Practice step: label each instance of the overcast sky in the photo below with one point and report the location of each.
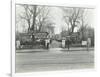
(57, 17)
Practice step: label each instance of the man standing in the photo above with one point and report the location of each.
(48, 42)
(68, 42)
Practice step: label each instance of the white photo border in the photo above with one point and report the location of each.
(14, 2)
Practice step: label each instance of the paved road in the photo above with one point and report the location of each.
(53, 60)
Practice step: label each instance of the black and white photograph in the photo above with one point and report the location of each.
(50, 38)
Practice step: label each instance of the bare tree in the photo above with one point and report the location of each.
(35, 16)
(72, 17)
(42, 17)
(27, 15)
(83, 27)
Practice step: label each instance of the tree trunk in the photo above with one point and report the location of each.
(28, 25)
(34, 17)
(72, 28)
(40, 27)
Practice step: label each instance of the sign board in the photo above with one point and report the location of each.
(41, 35)
(84, 42)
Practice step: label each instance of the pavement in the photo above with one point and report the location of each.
(53, 59)
(55, 49)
